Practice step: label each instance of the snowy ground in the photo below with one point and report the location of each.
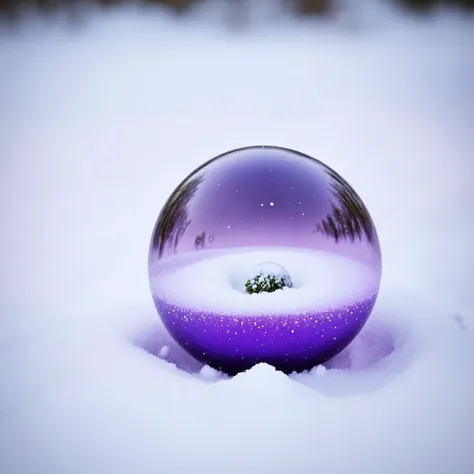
(97, 127)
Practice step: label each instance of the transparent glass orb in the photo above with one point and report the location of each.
(264, 204)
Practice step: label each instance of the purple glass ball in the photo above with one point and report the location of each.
(252, 206)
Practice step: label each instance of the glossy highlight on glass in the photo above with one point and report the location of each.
(253, 200)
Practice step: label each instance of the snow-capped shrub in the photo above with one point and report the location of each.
(268, 279)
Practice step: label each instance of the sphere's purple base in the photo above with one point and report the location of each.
(234, 343)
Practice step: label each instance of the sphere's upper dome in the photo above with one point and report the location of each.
(265, 196)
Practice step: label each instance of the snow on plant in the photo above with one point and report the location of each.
(268, 279)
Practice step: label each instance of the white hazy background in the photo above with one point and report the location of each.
(100, 120)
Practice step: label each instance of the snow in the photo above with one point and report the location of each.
(164, 351)
(99, 123)
(269, 269)
(215, 282)
(208, 373)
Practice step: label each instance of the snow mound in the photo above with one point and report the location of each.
(321, 281)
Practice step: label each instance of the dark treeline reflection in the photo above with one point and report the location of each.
(349, 218)
(200, 241)
(174, 218)
(14, 9)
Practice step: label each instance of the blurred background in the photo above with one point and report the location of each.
(106, 105)
(237, 10)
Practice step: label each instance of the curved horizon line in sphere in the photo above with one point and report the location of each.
(213, 280)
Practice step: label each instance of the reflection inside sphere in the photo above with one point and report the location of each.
(262, 196)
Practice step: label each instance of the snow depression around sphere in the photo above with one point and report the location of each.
(264, 254)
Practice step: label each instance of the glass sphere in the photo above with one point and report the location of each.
(257, 205)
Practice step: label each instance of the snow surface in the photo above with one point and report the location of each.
(216, 283)
(99, 123)
(268, 269)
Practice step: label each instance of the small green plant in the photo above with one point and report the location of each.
(267, 283)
